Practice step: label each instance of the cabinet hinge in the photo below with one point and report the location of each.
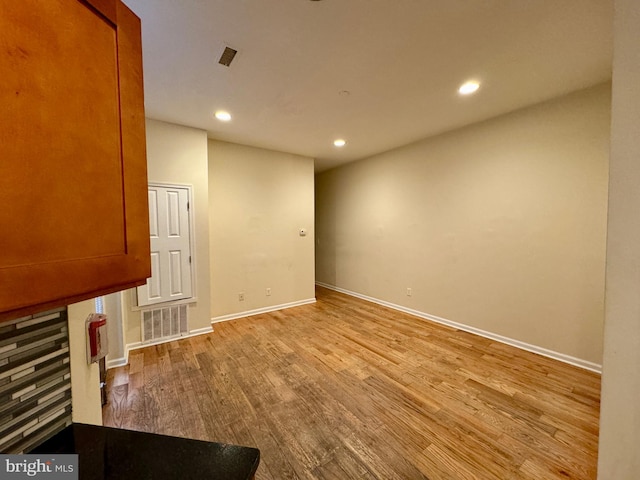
(189, 259)
(188, 205)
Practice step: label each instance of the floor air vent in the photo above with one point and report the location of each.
(164, 323)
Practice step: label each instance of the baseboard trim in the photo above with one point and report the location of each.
(594, 367)
(122, 361)
(117, 362)
(258, 311)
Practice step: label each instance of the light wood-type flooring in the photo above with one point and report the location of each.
(347, 389)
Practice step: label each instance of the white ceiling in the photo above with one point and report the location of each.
(401, 61)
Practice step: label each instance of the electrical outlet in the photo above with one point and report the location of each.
(241, 297)
(408, 292)
(268, 292)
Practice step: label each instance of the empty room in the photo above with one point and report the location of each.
(333, 240)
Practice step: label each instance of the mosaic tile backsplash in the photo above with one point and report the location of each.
(35, 380)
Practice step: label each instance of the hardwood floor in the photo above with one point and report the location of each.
(346, 389)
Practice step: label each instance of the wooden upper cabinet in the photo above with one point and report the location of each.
(74, 217)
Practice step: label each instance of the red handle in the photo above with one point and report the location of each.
(94, 343)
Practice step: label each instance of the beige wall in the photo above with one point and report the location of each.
(113, 310)
(177, 154)
(620, 408)
(85, 379)
(499, 226)
(259, 199)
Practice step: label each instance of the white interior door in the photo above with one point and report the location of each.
(170, 246)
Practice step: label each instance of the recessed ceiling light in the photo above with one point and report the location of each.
(223, 116)
(339, 142)
(468, 88)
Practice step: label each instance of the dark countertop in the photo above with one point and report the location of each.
(111, 453)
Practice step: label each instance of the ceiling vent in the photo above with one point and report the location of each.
(227, 56)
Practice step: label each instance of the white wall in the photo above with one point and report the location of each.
(499, 226)
(259, 199)
(177, 154)
(620, 408)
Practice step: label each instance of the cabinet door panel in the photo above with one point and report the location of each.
(73, 169)
(52, 72)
